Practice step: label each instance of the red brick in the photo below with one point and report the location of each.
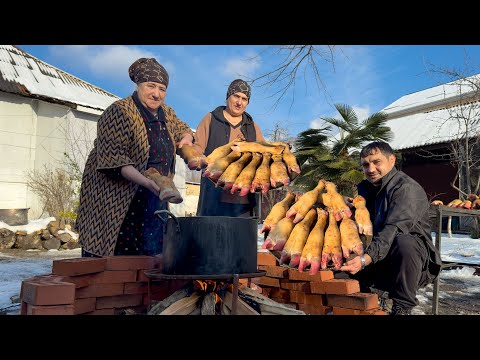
(322, 275)
(50, 310)
(175, 285)
(303, 286)
(314, 309)
(274, 271)
(157, 296)
(142, 288)
(297, 297)
(142, 277)
(345, 311)
(119, 301)
(315, 299)
(84, 305)
(135, 288)
(360, 301)
(130, 262)
(44, 292)
(266, 281)
(256, 287)
(267, 290)
(265, 257)
(80, 280)
(114, 277)
(23, 309)
(78, 266)
(243, 281)
(373, 312)
(110, 311)
(278, 293)
(335, 286)
(98, 290)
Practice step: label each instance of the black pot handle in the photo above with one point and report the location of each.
(159, 213)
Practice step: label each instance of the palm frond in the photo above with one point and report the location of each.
(348, 115)
(336, 159)
(353, 176)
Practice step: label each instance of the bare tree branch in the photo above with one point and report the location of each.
(462, 122)
(296, 61)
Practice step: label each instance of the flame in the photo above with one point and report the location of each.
(208, 286)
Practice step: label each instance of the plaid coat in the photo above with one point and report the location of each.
(105, 195)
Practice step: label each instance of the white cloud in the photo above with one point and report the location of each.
(317, 124)
(108, 62)
(362, 112)
(242, 67)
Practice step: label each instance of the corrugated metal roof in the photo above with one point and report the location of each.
(433, 97)
(427, 128)
(428, 117)
(21, 73)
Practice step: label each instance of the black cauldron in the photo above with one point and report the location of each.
(208, 245)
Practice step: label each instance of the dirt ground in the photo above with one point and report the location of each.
(455, 298)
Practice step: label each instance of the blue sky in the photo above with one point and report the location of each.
(368, 78)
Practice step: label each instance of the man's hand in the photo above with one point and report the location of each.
(355, 265)
(349, 201)
(186, 140)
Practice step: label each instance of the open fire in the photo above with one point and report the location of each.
(209, 297)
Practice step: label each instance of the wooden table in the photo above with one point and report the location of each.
(438, 212)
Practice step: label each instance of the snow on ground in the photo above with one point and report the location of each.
(14, 269)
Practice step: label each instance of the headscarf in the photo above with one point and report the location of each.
(144, 70)
(239, 85)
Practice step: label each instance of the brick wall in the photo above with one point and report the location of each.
(94, 286)
(318, 294)
(109, 285)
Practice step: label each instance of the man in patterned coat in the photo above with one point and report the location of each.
(117, 202)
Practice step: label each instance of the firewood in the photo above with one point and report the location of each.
(197, 311)
(242, 307)
(269, 306)
(208, 304)
(224, 310)
(165, 303)
(183, 306)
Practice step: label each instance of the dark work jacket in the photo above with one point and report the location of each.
(399, 206)
(219, 135)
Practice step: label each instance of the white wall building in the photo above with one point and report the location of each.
(45, 113)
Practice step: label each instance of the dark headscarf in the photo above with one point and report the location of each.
(144, 70)
(239, 85)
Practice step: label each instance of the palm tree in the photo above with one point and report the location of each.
(336, 157)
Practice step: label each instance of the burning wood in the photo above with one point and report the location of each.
(208, 297)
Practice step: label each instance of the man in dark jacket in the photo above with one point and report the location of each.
(401, 257)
